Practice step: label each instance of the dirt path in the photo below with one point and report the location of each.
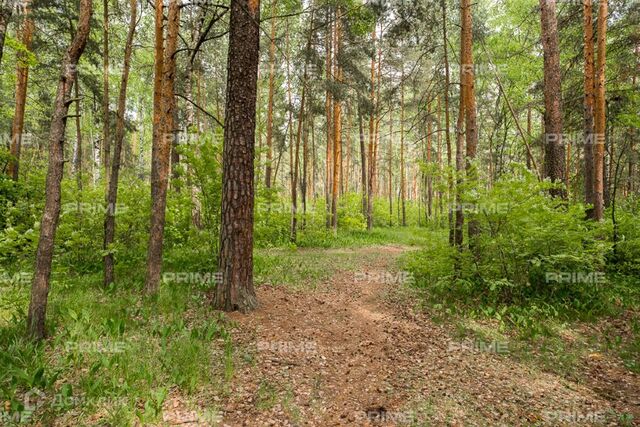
(347, 354)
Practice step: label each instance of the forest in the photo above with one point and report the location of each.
(319, 212)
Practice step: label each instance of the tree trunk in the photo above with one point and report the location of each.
(329, 117)
(112, 197)
(403, 177)
(363, 167)
(51, 214)
(5, 17)
(471, 129)
(390, 171)
(163, 138)
(589, 103)
(236, 291)
(106, 138)
(429, 178)
(337, 127)
(600, 115)
(447, 132)
(554, 146)
(295, 166)
(22, 77)
(77, 155)
(372, 98)
(272, 74)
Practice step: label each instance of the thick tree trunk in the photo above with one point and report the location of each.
(236, 233)
(554, 145)
(162, 139)
(589, 104)
(22, 77)
(112, 196)
(600, 115)
(51, 214)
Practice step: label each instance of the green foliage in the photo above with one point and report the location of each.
(534, 257)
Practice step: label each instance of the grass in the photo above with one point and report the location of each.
(114, 356)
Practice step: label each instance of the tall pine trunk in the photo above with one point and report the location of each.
(163, 137)
(447, 131)
(5, 17)
(337, 125)
(268, 171)
(471, 129)
(554, 145)
(22, 77)
(51, 214)
(600, 116)
(106, 137)
(589, 104)
(236, 291)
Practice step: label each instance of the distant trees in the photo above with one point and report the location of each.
(112, 194)
(51, 214)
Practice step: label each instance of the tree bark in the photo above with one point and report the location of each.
(328, 104)
(447, 131)
(363, 166)
(22, 77)
(163, 138)
(554, 145)
(112, 196)
(600, 115)
(77, 155)
(106, 138)
(272, 73)
(471, 129)
(51, 214)
(589, 104)
(403, 177)
(337, 127)
(236, 234)
(372, 98)
(5, 17)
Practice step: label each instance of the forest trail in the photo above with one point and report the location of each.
(351, 351)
